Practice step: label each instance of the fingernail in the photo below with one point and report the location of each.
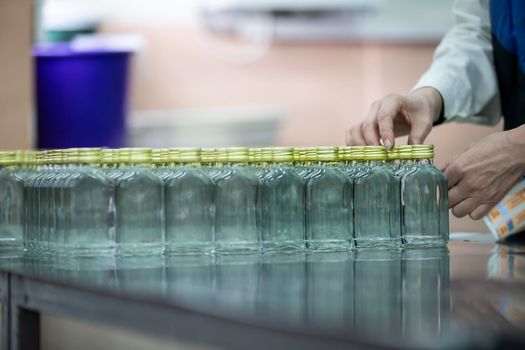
(388, 144)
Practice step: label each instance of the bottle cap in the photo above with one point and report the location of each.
(393, 153)
(109, 156)
(7, 158)
(236, 154)
(282, 154)
(405, 151)
(375, 153)
(135, 155)
(75, 156)
(190, 154)
(159, 155)
(260, 155)
(208, 155)
(327, 154)
(310, 154)
(422, 151)
(351, 153)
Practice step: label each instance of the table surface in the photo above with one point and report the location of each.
(419, 298)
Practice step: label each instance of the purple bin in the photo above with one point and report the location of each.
(81, 95)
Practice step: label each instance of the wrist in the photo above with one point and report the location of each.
(516, 141)
(433, 100)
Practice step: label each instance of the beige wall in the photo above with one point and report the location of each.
(323, 87)
(16, 26)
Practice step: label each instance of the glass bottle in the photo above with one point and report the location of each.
(393, 160)
(84, 223)
(328, 210)
(352, 160)
(139, 204)
(11, 204)
(375, 217)
(421, 197)
(260, 161)
(188, 203)
(37, 189)
(283, 204)
(58, 172)
(236, 190)
(304, 161)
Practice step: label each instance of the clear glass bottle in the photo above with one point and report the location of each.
(304, 160)
(188, 204)
(421, 195)
(328, 209)
(260, 163)
(83, 198)
(352, 160)
(139, 204)
(11, 203)
(393, 159)
(236, 190)
(375, 217)
(283, 204)
(38, 197)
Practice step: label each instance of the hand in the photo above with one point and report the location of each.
(481, 176)
(398, 115)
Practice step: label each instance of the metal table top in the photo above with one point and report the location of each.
(468, 295)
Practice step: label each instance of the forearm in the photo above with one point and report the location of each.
(516, 144)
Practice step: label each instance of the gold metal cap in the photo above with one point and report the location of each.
(236, 154)
(393, 153)
(282, 154)
(422, 151)
(375, 153)
(327, 154)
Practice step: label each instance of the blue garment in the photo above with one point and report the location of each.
(508, 38)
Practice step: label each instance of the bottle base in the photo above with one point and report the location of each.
(328, 245)
(69, 250)
(283, 246)
(423, 242)
(237, 248)
(140, 249)
(377, 243)
(189, 248)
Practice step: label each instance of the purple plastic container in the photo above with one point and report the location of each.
(82, 96)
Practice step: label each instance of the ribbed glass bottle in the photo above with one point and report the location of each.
(188, 204)
(422, 198)
(328, 209)
(236, 190)
(375, 216)
(11, 203)
(139, 204)
(283, 204)
(82, 195)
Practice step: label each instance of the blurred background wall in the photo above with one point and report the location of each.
(16, 38)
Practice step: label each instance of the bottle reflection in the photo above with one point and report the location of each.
(282, 292)
(384, 294)
(331, 284)
(425, 292)
(377, 298)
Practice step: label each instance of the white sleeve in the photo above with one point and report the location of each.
(463, 68)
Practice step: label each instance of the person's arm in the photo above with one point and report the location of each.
(463, 69)
(460, 85)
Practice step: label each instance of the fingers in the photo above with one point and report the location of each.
(419, 132)
(370, 127)
(453, 174)
(354, 136)
(455, 195)
(464, 207)
(386, 114)
(481, 211)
